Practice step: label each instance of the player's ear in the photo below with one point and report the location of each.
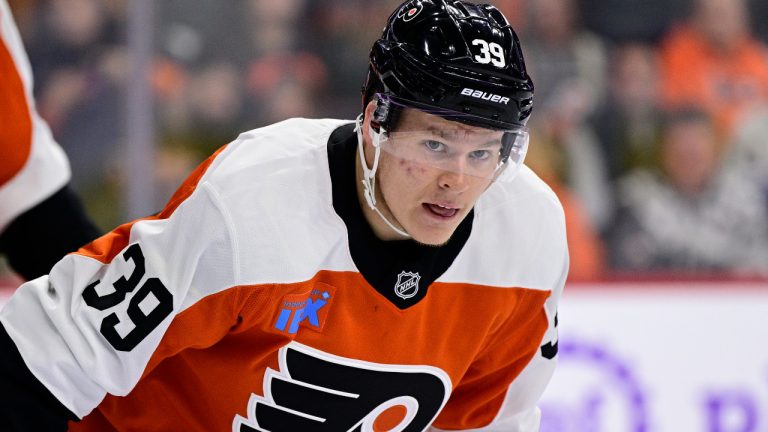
(367, 117)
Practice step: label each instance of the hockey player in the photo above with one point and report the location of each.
(40, 217)
(400, 272)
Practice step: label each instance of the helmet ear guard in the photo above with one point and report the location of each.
(512, 154)
(380, 114)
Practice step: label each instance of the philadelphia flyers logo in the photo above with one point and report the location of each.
(316, 391)
(410, 10)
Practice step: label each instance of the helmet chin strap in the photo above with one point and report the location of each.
(369, 174)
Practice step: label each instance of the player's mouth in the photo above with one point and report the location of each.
(442, 211)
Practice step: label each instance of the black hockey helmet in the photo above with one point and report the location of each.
(450, 55)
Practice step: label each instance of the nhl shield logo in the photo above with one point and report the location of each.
(407, 285)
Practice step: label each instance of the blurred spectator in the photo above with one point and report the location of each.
(582, 168)
(198, 76)
(207, 110)
(621, 21)
(214, 76)
(713, 60)
(568, 66)
(287, 84)
(692, 215)
(585, 246)
(286, 79)
(758, 13)
(748, 151)
(277, 26)
(342, 31)
(628, 125)
(79, 69)
(216, 102)
(211, 31)
(515, 11)
(566, 62)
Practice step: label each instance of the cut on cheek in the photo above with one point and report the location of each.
(411, 168)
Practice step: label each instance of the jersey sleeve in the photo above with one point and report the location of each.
(91, 327)
(33, 166)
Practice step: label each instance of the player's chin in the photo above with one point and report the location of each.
(432, 242)
(437, 231)
(432, 236)
(432, 229)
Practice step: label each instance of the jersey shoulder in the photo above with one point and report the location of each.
(518, 237)
(271, 147)
(274, 187)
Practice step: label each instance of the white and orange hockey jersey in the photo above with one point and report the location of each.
(260, 300)
(32, 165)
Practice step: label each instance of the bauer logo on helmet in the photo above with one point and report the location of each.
(485, 96)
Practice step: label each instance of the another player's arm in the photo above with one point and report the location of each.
(41, 236)
(40, 218)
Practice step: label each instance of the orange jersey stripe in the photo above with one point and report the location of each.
(497, 332)
(105, 248)
(16, 127)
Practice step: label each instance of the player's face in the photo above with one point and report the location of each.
(431, 172)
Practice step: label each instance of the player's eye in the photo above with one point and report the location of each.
(480, 154)
(435, 146)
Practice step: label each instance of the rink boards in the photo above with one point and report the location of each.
(661, 357)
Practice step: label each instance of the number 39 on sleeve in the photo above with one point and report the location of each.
(144, 322)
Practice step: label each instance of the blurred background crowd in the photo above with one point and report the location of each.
(650, 116)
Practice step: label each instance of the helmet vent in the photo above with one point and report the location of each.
(468, 10)
(496, 15)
